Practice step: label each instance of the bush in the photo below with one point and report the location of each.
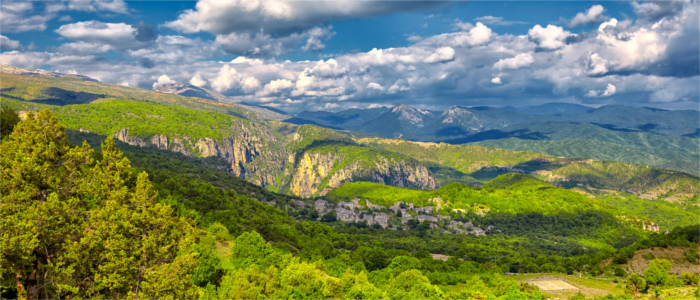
(657, 272)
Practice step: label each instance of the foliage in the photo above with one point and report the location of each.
(657, 272)
(77, 225)
(8, 120)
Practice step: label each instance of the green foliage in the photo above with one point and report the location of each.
(411, 284)
(690, 278)
(208, 267)
(146, 119)
(584, 140)
(8, 120)
(250, 248)
(73, 225)
(657, 272)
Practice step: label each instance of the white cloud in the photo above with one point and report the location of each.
(226, 78)
(8, 44)
(442, 54)
(629, 49)
(117, 6)
(277, 17)
(479, 34)
(197, 80)
(653, 11)
(473, 63)
(551, 37)
(493, 20)
(609, 90)
(375, 86)
(314, 37)
(19, 17)
(163, 80)
(273, 27)
(276, 86)
(592, 15)
(118, 35)
(518, 61)
(84, 48)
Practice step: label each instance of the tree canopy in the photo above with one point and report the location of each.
(74, 223)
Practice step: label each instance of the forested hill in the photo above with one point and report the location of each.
(83, 222)
(307, 160)
(640, 135)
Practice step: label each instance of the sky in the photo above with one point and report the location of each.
(333, 55)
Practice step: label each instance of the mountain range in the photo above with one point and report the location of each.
(661, 138)
(339, 188)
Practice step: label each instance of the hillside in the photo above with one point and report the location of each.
(359, 236)
(596, 177)
(660, 138)
(308, 160)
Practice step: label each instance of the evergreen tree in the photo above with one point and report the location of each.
(74, 226)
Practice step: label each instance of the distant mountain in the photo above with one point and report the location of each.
(552, 109)
(309, 161)
(640, 135)
(188, 90)
(20, 71)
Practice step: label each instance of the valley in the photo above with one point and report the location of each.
(368, 210)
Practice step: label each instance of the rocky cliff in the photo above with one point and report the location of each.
(316, 173)
(247, 150)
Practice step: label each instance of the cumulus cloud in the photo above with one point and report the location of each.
(592, 15)
(518, 61)
(609, 90)
(479, 34)
(273, 27)
(19, 17)
(228, 78)
(441, 55)
(551, 37)
(8, 44)
(278, 17)
(117, 6)
(163, 80)
(628, 61)
(277, 86)
(197, 80)
(113, 34)
(653, 11)
(84, 48)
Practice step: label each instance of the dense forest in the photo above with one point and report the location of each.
(83, 222)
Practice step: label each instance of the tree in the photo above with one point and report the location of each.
(74, 226)
(8, 120)
(657, 272)
(636, 284)
(412, 284)
(250, 248)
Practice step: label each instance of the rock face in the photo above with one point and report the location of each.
(237, 151)
(244, 151)
(253, 152)
(123, 135)
(316, 173)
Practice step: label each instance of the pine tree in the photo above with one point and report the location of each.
(73, 225)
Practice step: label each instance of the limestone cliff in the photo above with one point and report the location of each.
(247, 150)
(316, 173)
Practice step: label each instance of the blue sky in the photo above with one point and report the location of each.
(299, 55)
